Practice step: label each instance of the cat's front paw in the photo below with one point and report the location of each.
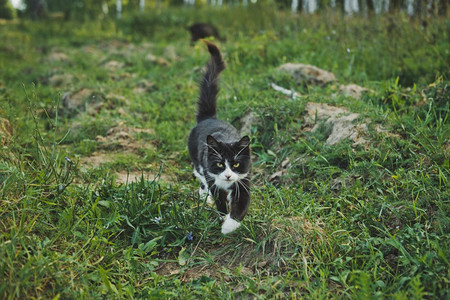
(210, 200)
(229, 225)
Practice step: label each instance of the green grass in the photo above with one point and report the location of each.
(342, 221)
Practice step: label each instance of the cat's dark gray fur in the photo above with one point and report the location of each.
(221, 157)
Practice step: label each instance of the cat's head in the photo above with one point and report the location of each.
(228, 162)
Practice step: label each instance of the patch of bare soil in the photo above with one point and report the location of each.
(82, 100)
(143, 86)
(132, 176)
(96, 159)
(124, 138)
(57, 56)
(113, 65)
(60, 80)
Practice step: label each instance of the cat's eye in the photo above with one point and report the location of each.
(220, 165)
(236, 165)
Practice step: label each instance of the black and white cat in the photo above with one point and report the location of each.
(220, 156)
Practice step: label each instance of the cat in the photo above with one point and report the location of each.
(221, 157)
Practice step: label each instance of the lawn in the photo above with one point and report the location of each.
(97, 197)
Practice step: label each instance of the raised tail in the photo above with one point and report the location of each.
(209, 86)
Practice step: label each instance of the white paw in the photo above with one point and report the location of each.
(229, 225)
(202, 192)
(209, 200)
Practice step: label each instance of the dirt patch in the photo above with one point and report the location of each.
(143, 86)
(342, 122)
(133, 176)
(96, 159)
(82, 100)
(60, 80)
(57, 56)
(113, 65)
(125, 138)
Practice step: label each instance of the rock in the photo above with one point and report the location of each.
(353, 90)
(339, 119)
(247, 121)
(307, 73)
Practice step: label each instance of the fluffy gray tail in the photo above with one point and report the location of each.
(209, 87)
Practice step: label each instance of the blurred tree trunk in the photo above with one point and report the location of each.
(119, 9)
(294, 6)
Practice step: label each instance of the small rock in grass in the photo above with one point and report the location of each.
(307, 73)
(342, 122)
(353, 90)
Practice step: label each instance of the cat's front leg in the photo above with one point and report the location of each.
(240, 200)
(203, 190)
(220, 198)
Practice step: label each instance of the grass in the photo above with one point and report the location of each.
(340, 221)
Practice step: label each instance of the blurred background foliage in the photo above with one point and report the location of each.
(92, 9)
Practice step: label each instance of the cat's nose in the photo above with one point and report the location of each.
(228, 177)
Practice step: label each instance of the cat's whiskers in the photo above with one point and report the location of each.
(238, 190)
(240, 152)
(246, 187)
(217, 153)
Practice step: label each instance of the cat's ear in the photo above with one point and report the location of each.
(211, 141)
(244, 142)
